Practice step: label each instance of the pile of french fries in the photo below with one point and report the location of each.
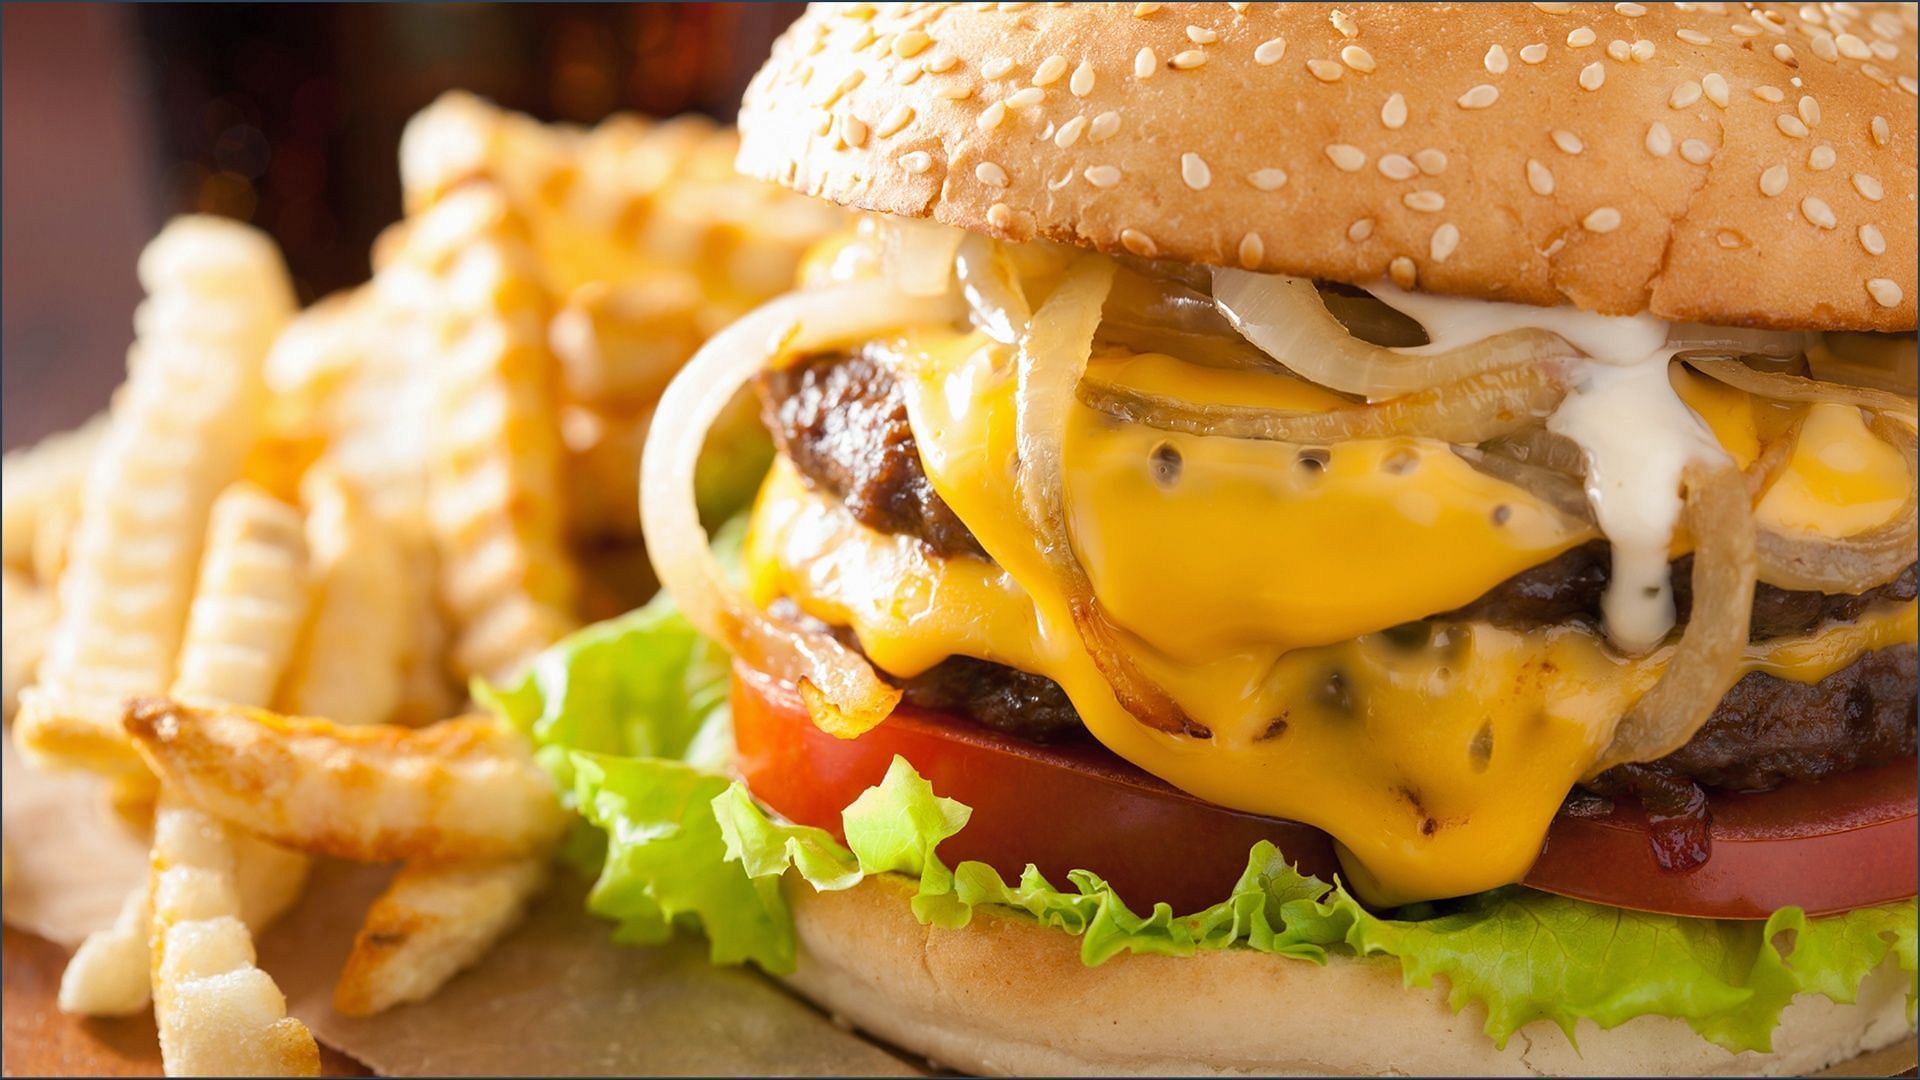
(250, 595)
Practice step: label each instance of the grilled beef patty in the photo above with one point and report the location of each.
(843, 421)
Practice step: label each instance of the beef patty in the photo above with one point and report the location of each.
(843, 421)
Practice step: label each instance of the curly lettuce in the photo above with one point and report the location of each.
(631, 718)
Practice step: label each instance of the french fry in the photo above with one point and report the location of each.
(26, 613)
(348, 665)
(180, 428)
(434, 921)
(218, 1013)
(254, 591)
(494, 505)
(619, 345)
(40, 492)
(460, 789)
(110, 974)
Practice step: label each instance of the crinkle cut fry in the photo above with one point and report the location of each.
(433, 921)
(180, 430)
(459, 789)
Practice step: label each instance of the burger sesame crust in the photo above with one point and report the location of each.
(1704, 162)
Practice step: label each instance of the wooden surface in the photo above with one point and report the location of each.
(39, 1040)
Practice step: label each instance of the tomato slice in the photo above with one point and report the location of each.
(1846, 842)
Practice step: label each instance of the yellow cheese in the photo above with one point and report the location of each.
(1841, 481)
(1259, 584)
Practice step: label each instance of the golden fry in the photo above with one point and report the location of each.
(180, 429)
(348, 665)
(40, 493)
(26, 614)
(460, 789)
(434, 921)
(255, 588)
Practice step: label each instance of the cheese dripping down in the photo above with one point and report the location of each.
(1624, 414)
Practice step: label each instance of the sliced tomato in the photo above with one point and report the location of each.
(1833, 846)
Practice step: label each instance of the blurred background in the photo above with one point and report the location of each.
(113, 118)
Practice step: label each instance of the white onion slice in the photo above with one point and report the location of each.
(843, 692)
(1286, 318)
(992, 288)
(917, 256)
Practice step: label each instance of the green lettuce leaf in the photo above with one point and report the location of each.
(631, 718)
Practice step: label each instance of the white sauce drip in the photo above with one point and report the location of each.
(1638, 436)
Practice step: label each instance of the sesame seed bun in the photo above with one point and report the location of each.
(1711, 163)
(1007, 996)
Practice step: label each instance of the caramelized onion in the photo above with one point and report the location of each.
(917, 256)
(1889, 362)
(1850, 564)
(1794, 388)
(1702, 667)
(1474, 409)
(1285, 317)
(1155, 313)
(1052, 362)
(1737, 340)
(992, 288)
(1564, 493)
(1541, 448)
(842, 690)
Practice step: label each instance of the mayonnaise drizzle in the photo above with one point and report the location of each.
(1636, 433)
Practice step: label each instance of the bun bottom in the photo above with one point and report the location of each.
(1008, 996)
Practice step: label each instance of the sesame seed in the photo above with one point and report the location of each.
(1480, 96)
(1102, 176)
(1743, 30)
(1534, 53)
(1200, 35)
(853, 131)
(990, 174)
(999, 215)
(1567, 141)
(996, 67)
(1907, 83)
(899, 117)
(1344, 23)
(1139, 243)
(1659, 140)
(853, 78)
(1401, 270)
(1642, 50)
(1325, 70)
(991, 116)
(1770, 94)
(1773, 180)
(1885, 50)
(1141, 11)
(1496, 61)
(1631, 11)
(1620, 50)
(1884, 291)
(1239, 6)
(1696, 151)
(916, 161)
(1252, 251)
(1554, 9)
(1188, 60)
(1393, 114)
(1082, 82)
(1791, 126)
(1692, 37)
(1269, 52)
(1026, 98)
(1062, 180)
(1816, 210)
(1267, 179)
(1360, 230)
(1427, 202)
(910, 43)
(1398, 167)
(1852, 47)
(1195, 172)
(1346, 157)
(1105, 126)
(1810, 110)
(1592, 76)
(1783, 52)
(1881, 133)
(1050, 70)
(1825, 48)
(1582, 37)
(1605, 219)
(1684, 95)
(1539, 178)
(1715, 86)
(1821, 157)
(940, 63)
(1445, 239)
(1871, 239)
(1357, 58)
(1431, 161)
(1869, 187)
(1145, 63)
(1070, 132)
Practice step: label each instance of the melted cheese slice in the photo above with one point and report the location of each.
(1255, 587)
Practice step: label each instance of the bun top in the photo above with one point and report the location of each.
(1704, 162)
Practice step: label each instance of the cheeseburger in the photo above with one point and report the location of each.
(1310, 539)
